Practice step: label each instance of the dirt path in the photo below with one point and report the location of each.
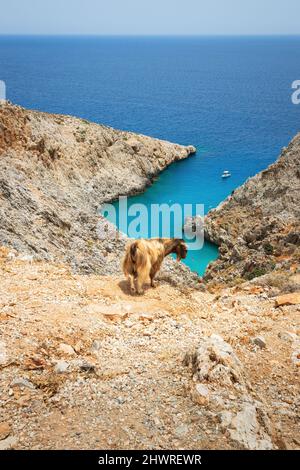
(85, 365)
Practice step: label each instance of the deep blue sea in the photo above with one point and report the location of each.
(228, 96)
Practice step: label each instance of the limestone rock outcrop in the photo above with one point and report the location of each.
(220, 383)
(257, 227)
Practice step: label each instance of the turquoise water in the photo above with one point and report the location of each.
(163, 191)
(230, 97)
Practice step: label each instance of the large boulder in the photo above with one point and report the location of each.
(220, 383)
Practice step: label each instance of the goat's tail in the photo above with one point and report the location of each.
(135, 259)
(134, 252)
(139, 256)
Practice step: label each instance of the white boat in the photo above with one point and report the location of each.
(226, 174)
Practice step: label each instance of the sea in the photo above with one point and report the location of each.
(230, 97)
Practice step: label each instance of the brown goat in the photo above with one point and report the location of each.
(143, 259)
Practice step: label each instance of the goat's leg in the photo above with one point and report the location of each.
(139, 284)
(143, 277)
(131, 283)
(153, 283)
(153, 272)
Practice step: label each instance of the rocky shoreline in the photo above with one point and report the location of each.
(56, 170)
(257, 228)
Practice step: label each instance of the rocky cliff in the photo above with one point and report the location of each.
(56, 170)
(258, 227)
(86, 365)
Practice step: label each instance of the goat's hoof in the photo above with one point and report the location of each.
(140, 292)
(154, 284)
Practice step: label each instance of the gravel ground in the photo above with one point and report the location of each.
(85, 365)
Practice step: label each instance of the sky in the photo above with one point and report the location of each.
(150, 17)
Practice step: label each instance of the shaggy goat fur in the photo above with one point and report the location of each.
(143, 259)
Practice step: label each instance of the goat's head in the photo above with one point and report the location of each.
(180, 249)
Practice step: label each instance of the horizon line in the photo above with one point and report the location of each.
(161, 35)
